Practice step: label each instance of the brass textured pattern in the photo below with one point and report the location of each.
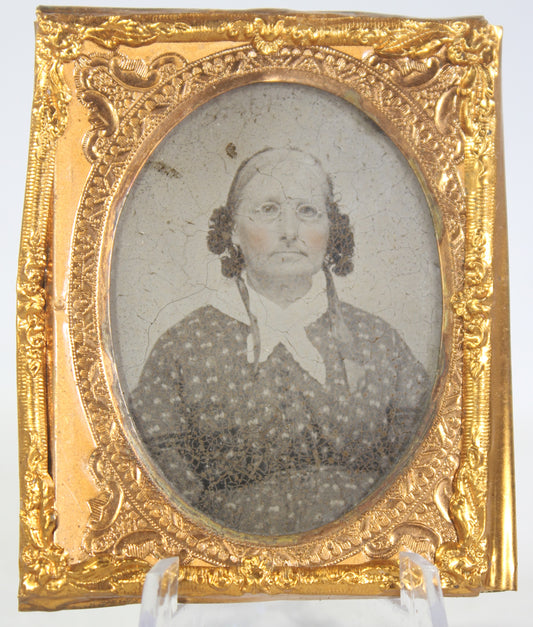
(433, 84)
(254, 576)
(468, 560)
(410, 499)
(44, 565)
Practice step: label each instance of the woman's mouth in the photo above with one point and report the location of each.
(289, 253)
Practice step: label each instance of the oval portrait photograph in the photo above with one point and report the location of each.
(275, 310)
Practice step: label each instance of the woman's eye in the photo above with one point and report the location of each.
(308, 212)
(268, 210)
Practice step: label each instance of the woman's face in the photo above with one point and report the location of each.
(281, 221)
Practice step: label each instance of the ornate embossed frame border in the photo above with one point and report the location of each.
(106, 84)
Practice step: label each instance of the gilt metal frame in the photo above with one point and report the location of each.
(108, 86)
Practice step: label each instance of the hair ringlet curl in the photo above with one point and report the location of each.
(219, 242)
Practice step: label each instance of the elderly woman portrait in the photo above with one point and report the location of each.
(277, 408)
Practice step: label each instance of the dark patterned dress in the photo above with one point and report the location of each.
(270, 450)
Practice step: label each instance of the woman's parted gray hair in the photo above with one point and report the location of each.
(340, 246)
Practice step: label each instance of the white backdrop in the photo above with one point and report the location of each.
(161, 269)
(510, 609)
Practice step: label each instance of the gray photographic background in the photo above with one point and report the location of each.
(161, 268)
(512, 609)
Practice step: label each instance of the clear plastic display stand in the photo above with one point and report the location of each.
(420, 604)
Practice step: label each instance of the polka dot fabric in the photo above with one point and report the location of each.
(272, 451)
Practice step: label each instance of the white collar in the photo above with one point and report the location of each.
(279, 325)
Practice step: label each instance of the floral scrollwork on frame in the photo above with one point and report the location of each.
(109, 85)
(473, 304)
(45, 561)
(415, 492)
(254, 576)
(434, 83)
(468, 560)
(49, 578)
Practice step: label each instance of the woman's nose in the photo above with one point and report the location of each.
(289, 224)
